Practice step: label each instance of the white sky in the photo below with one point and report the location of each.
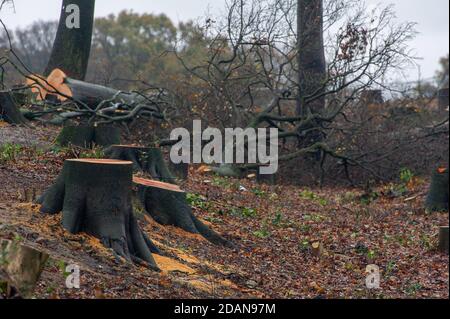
(432, 17)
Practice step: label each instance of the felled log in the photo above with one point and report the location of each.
(437, 200)
(443, 239)
(9, 110)
(88, 136)
(145, 159)
(62, 87)
(94, 197)
(167, 205)
(22, 265)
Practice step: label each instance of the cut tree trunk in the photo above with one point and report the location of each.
(88, 136)
(167, 205)
(181, 171)
(95, 198)
(9, 110)
(22, 265)
(443, 239)
(437, 200)
(145, 159)
(87, 93)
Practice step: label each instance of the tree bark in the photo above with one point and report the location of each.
(88, 136)
(72, 46)
(443, 240)
(9, 110)
(145, 159)
(311, 54)
(167, 205)
(437, 200)
(95, 198)
(22, 265)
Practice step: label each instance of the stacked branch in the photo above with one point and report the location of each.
(167, 205)
(94, 197)
(95, 103)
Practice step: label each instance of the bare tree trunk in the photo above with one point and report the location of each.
(72, 46)
(311, 55)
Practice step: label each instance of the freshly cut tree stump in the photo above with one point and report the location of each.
(22, 266)
(95, 198)
(87, 136)
(145, 159)
(9, 110)
(443, 239)
(437, 200)
(167, 205)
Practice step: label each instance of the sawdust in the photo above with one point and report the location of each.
(169, 265)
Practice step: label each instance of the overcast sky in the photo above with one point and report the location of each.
(432, 17)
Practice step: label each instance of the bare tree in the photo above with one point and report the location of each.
(250, 77)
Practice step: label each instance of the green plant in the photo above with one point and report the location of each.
(197, 201)
(309, 195)
(406, 175)
(258, 192)
(96, 152)
(9, 152)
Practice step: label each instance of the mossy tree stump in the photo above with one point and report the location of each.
(167, 205)
(145, 159)
(95, 197)
(437, 200)
(9, 110)
(88, 136)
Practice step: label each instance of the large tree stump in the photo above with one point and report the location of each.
(88, 136)
(9, 110)
(22, 266)
(95, 198)
(167, 205)
(443, 239)
(437, 200)
(145, 159)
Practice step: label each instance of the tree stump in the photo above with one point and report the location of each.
(181, 171)
(22, 266)
(88, 136)
(167, 205)
(95, 197)
(443, 240)
(9, 110)
(437, 200)
(145, 159)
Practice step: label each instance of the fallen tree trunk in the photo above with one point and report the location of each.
(145, 159)
(9, 110)
(95, 198)
(88, 136)
(437, 200)
(22, 265)
(167, 205)
(62, 87)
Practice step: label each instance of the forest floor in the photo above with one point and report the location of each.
(273, 227)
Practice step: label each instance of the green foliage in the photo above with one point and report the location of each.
(96, 152)
(197, 201)
(245, 212)
(9, 152)
(309, 195)
(406, 175)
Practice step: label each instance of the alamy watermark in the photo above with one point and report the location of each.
(72, 274)
(73, 16)
(238, 146)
